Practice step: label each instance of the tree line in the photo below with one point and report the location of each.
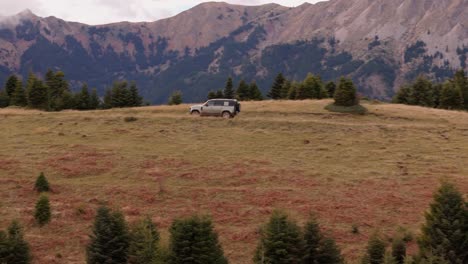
(312, 87)
(452, 94)
(443, 239)
(53, 93)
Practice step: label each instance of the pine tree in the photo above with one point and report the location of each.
(107, 104)
(18, 248)
(42, 213)
(318, 248)
(4, 247)
(83, 98)
(445, 232)
(94, 101)
(254, 92)
(461, 81)
(451, 97)
(144, 239)
(243, 91)
(436, 92)
(403, 95)
(211, 95)
(10, 85)
(345, 94)
(42, 185)
(375, 253)
(280, 241)
(229, 89)
(399, 250)
(135, 99)
(422, 92)
(19, 95)
(276, 88)
(292, 94)
(285, 89)
(176, 98)
(36, 92)
(312, 88)
(109, 239)
(4, 99)
(330, 87)
(219, 94)
(193, 240)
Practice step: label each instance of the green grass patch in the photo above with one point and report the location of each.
(356, 109)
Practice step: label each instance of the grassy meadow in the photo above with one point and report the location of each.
(376, 171)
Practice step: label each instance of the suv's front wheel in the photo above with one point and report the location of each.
(195, 113)
(226, 115)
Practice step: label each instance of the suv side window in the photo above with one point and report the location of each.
(219, 103)
(231, 103)
(211, 103)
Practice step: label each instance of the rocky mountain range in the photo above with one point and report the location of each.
(381, 44)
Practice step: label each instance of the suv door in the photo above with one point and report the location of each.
(209, 108)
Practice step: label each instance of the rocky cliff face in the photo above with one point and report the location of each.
(380, 43)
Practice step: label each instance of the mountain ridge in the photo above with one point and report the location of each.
(380, 44)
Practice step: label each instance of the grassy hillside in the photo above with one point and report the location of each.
(376, 171)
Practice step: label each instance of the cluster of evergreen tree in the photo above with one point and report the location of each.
(244, 91)
(283, 241)
(192, 240)
(444, 235)
(312, 87)
(453, 94)
(14, 249)
(54, 94)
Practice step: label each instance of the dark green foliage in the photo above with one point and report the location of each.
(144, 239)
(403, 95)
(211, 95)
(330, 87)
(4, 99)
(243, 92)
(399, 250)
(107, 104)
(19, 96)
(13, 248)
(277, 87)
(292, 94)
(10, 85)
(83, 98)
(445, 232)
(135, 99)
(193, 240)
(42, 212)
(312, 88)
(375, 252)
(345, 94)
(285, 89)
(451, 97)
(120, 94)
(42, 185)
(280, 241)
(36, 93)
(422, 92)
(57, 86)
(318, 248)
(355, 109)
(461, 82)
(109, 239)
(254, 93)
(176, 98)
(415, 51)
(94, 101)
(229, 89)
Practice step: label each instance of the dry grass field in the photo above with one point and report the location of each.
(376, 172)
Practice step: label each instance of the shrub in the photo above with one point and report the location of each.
(144, 239)
(130, 119)
(42, 185)
(357, 109)
(109, 239)
(176, 98)
(345, 93)
(193, 240)
(42, 213)
(14, 248)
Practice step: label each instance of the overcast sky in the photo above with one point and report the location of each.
(107, 11)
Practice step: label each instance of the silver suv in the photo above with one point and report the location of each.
(227, 108)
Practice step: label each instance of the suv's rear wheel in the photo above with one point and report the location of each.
(195, 113)
(226, 115)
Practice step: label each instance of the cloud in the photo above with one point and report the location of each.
(108, 11)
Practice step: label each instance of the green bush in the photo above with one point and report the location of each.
(42, 185)
(356, 109)
(42, 213)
